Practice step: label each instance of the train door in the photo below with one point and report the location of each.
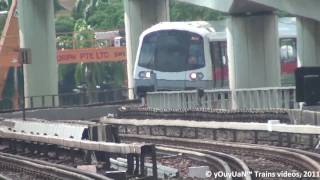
(219, 60)
(288, 58)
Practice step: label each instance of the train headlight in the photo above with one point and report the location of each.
(148, 75)
(196, 76)
(144, 74)
(193, 76)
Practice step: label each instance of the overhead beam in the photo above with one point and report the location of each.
(223, 6)
(309, 8)
(232, 6)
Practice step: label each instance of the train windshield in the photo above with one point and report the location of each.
(172, 51)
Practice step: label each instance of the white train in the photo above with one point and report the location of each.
(190, 55)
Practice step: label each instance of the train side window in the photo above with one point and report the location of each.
(215, 54)
(223, 47)
(218, 53)
(288, 49)
(219, 61)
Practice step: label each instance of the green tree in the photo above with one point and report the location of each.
(84, 8)
(87, 74)
(4, 5)
(103, 15)
(91, 74)
(64, 24)
(57, 6)
(108, 15)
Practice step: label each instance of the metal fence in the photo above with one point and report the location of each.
(255, 98)
(67, 99)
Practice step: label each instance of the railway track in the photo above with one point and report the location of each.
(26, 168)
(192, 130)
(220, 162)
(214, 162)
(65, 145)
(278, 162)
(4, 177)
(220, 156)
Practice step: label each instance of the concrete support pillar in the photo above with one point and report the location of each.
(253, 51)
(37, 31)
(140, 15)
(308, 42)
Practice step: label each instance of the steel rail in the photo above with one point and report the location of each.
(3, 177)
(312, 155)
(235, 163)
(217, 163)
(296, 159)
(48, 168)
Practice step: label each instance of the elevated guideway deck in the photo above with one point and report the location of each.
(308, 9)
(283, 128)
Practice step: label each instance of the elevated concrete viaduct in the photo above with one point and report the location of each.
(251, 32)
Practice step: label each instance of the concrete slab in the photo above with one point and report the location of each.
(62, 130)
(295, 116)
(318, 118)
(90, 145)
(88, 168)
(55, 140)
(9, 134)
(43, 139)
(198, 172)
(34, 138)
(308, 117)
(72, 143)
(110, 147)
(21, 136)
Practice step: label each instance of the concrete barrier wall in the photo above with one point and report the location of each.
(254, 98)
(302, 141)
(304, 117)
(296, 116)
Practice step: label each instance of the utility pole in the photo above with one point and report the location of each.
(24, 58)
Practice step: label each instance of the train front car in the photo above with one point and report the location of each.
(173, 56)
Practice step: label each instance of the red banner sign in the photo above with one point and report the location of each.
(111, 54)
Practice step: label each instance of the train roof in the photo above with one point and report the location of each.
(215, 30)
(200, 27)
